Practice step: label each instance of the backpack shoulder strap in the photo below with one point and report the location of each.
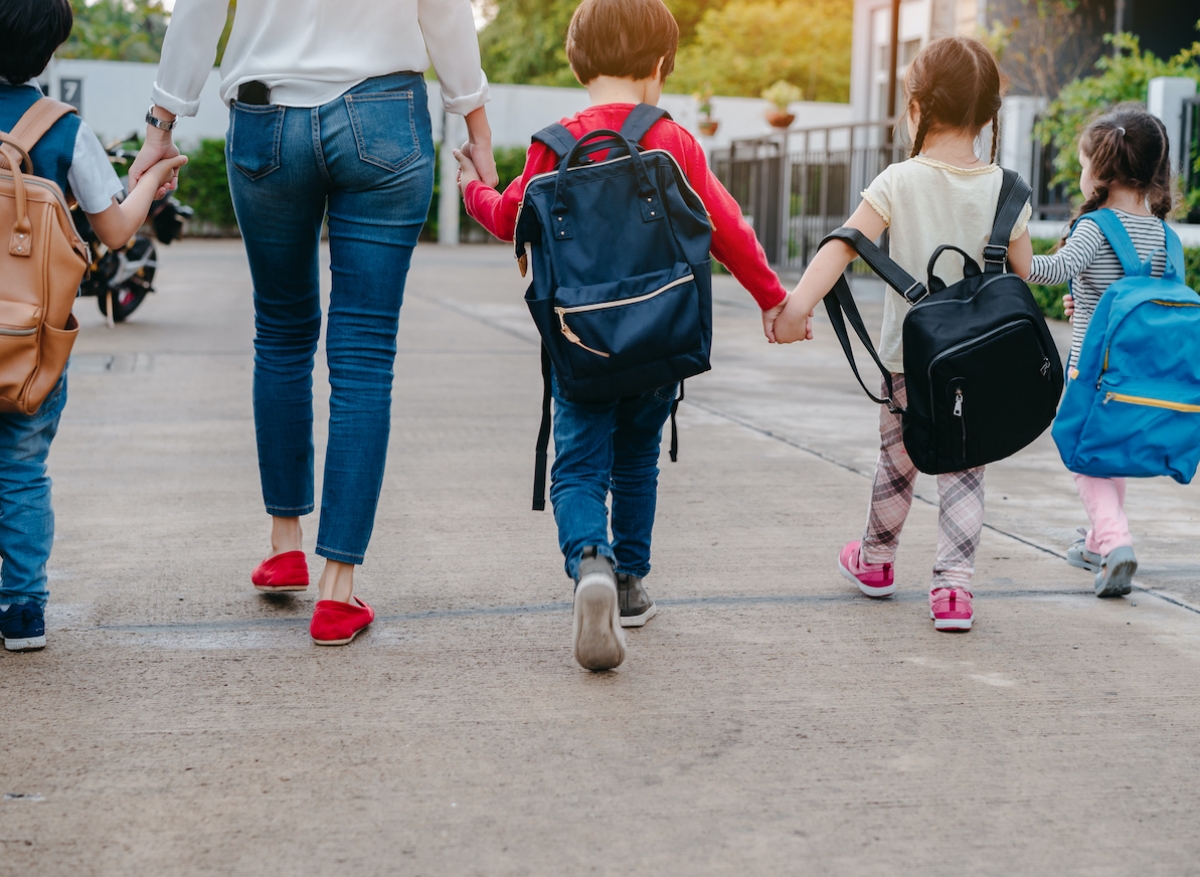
(36, 121)
(1174, 250)
(841, 307)
(558, 138)
(1118, 238)
(1014, 193)
(640, 120)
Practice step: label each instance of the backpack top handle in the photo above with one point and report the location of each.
(649, 199)
(970, 267)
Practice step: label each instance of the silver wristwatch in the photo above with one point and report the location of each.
(158, 123)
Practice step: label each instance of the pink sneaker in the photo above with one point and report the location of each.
(873, 579)
(950, 609)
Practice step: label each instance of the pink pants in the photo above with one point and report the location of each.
(1104, 501)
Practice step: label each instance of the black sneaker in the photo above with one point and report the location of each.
(636, 606)
(596, 626)
(22, 626)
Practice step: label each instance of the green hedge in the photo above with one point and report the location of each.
(1049, 298)
(204, 186)
(510, 161)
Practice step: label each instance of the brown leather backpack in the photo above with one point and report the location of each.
(40, 269)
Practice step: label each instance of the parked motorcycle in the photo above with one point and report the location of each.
(120, 279)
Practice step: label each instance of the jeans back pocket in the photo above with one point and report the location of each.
(385, 130)
(255, 134)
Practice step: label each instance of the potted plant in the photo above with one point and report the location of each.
(703, 98)
(781, 95)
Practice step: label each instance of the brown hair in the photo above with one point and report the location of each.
(955, 83)
(621, 38)
(1129, 147)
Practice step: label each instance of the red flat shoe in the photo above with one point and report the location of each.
(335, 623)
(283, 572)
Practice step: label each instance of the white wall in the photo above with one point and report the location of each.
(114, 97)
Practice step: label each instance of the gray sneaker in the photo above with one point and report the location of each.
(1078, 555)
(636, 606)
(596, 627)
(1115, 578)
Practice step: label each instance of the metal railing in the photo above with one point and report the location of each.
(822, 171)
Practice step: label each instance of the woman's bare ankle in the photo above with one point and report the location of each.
(337, 582)
(286, 535)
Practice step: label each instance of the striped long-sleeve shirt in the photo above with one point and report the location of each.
(1088, 260)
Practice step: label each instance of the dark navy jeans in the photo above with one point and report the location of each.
(602, 448)
(365, 160)
(26, 516)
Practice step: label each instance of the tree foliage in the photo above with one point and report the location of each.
(1044, 44)
(744, 46)
(740, 47)
(1123, 76)
(117, 30)
(526, 42)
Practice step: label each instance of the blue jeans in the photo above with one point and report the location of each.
(366, 160)
(26, 517)
(602, 448)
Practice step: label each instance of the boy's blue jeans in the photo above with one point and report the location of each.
(26, 517)
(366, 158)
(602, 448)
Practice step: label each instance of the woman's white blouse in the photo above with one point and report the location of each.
(310, 51)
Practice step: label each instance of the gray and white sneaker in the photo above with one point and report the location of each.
(1115, 578)
(636, 606)
(1078, 555)
(596, 626)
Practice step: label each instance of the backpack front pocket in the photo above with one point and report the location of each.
(610, 327)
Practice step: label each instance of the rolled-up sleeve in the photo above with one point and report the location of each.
(188, 52)
(448, 27)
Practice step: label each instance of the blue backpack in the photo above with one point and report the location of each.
(1132, 407)
(622, 282)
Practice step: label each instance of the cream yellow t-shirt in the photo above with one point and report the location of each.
(926, 203)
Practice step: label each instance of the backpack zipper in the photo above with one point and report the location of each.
(17, 332)
(605, 305)
(1151, 403)
(958, 412)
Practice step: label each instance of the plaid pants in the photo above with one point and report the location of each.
(960, 505)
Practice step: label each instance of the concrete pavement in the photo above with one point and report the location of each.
(769, 721)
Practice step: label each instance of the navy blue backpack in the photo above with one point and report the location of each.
(622, 282)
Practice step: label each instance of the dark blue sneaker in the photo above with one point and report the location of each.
(23, 627)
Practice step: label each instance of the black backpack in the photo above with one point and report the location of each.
(982, 371)
(622, 278)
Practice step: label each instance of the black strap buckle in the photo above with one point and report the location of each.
(995, 254)
(908, 293)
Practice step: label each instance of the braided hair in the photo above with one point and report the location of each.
(954, 83)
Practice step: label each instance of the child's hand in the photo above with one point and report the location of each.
(1069, 305)
(163, 171)
(768, 318)
(467, 172)
(790, 326)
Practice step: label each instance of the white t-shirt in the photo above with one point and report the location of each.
(309, 52)
(926, 203)
(91, 177)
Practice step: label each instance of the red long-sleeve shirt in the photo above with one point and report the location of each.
(733, 242)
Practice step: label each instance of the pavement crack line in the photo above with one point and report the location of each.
(456, 308)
